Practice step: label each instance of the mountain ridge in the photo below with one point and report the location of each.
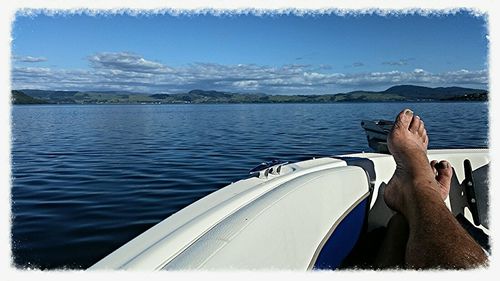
(392, 94)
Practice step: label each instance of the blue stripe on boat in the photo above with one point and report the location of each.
(343, 239)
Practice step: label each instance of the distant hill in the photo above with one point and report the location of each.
(396, 93)
(422, 93)
(416, 93)
(51, 96)
(21, 98)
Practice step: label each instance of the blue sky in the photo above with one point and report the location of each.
(274, 54)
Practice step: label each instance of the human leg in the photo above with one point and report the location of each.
(435, 238)
(392, 251)
(393, 248)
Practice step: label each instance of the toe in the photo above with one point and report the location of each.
(403, 119)
(415, 124)
(443, 177)
(444, 168)
(421, 128)
(425, 138)
(433, 166)
(444, 172)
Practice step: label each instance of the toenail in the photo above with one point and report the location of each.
(442, 165)
(408, 112)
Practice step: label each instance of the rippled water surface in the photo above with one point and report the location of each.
(88, 178)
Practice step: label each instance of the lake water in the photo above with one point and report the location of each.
(88, 178)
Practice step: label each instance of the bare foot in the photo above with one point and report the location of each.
(443, 172)
(416, 190)
(407, 143)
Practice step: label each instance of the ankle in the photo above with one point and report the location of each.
(421, 202)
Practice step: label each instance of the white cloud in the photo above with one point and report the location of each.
(400, 62)
(29, 59)
(131, 72)
(247, 84)
(126, 62)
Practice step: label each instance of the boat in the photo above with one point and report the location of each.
(376, 133)
(308, 215)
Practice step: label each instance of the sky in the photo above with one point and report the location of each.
(272, 53)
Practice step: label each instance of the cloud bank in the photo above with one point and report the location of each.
(28, 59)
(131, 72)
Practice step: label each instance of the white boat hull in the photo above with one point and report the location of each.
(308, 215)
